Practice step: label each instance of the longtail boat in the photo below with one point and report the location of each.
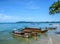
(28, 32)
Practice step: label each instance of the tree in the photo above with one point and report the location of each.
(54, 8)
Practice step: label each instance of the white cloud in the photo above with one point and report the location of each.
(3, 16)
(8, 18)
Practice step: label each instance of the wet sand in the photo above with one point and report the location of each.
(50, 40)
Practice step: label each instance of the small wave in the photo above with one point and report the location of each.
(57, 32)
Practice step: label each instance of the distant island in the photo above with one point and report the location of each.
(38, 22)
(30, 22)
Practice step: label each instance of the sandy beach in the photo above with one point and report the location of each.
(6, 37)
(50, 40)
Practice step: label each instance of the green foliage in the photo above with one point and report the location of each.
(54, 8)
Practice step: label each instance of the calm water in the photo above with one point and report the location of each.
(7, 38)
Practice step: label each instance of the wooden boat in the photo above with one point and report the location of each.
(29, 32)
(20, 34)
(44, 31)
(17, 33)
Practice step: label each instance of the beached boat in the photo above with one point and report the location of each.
(44, 31)
(29, 32)
(20, 34)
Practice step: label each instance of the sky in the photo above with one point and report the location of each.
(26, 10)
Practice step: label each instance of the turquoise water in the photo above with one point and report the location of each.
(7, 38)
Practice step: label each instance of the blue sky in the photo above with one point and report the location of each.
(26, 10)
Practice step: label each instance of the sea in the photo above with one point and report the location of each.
(6, 29)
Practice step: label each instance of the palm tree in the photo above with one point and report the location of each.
(55, 8)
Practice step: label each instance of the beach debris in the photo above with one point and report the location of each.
(51, 28)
